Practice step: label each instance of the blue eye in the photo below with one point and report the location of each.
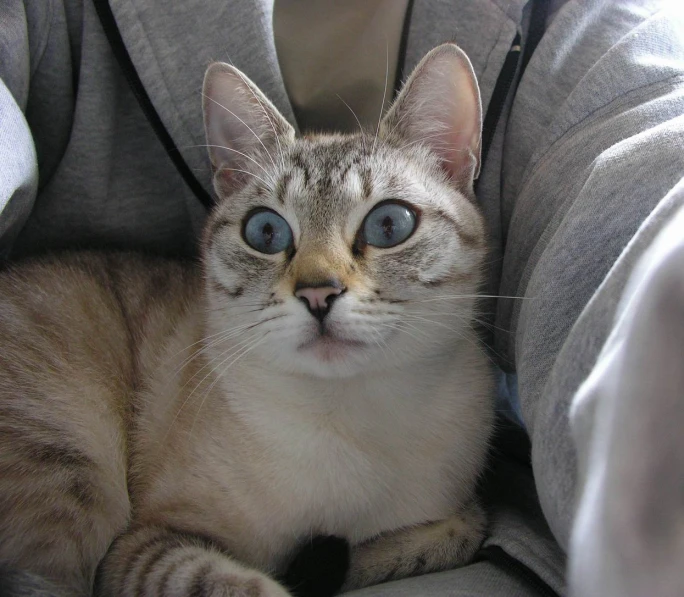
(388, 225)
(267, 232)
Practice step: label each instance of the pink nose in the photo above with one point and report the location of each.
(318, 299)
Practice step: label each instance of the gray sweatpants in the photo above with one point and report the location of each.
(586, 215)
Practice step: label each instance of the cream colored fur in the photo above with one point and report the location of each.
(200, 413)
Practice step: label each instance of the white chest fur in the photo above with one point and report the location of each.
(356, 457)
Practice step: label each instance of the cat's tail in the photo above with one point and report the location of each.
(19, 583)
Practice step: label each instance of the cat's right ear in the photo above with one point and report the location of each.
(439, 107)
(244, 129)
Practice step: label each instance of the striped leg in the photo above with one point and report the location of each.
(431, 547)
(63, 498)
(156, 562)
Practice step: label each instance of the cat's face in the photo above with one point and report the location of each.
(337, 255)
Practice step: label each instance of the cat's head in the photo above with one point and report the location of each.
(335, 255)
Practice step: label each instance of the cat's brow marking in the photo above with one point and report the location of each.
(220, 223)
(281, 187)
(366, 183)
(467, 239)
(299, 163)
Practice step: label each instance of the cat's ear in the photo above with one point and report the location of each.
(242, 126)
(440, 107)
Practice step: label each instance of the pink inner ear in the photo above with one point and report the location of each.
(440, 107)
(456, 149)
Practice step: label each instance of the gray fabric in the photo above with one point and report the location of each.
(577, 190)
(483, 579)
(594, 145)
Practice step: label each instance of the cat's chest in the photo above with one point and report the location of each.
(353, 476)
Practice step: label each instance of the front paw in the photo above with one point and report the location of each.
(430, 547)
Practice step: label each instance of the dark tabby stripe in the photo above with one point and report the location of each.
(153, 560)
(367, 183)
(173, 567)
(131, 557)
(200, 585)
(281, 187)
(160, 551)
(469, 240)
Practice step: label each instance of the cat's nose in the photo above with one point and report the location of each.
(319, 298)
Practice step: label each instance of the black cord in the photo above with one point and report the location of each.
(118, 47)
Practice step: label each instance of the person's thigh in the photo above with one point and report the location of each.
(594, 146)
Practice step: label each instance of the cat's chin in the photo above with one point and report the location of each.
(325, 356)
(330, 357)
(328, 349)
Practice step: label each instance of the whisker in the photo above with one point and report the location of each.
(263, 109)
(190, 395)
(355, 117)
(241, 343)
(207, 347)
(243, 122)
(218, 377)
(470, 296)
(397, 326)
(207, 338)
(380, 341)
(244, 155)
(384, 95)
(460, 333)
(268, 184)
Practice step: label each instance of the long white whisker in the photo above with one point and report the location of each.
(268, 184)
(263, 109)
(204, 338)
(243, 122)
(244, 351)
(398, 326)
(234, 350)
(470, 296)
(210, 345)
(460, 333)
(384, 95)
(351, 110)
(244, 155)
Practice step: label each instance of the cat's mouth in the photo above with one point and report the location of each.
(328, 346)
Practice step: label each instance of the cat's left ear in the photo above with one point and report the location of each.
(242, 126)
(440, 107)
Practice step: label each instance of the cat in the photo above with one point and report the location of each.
(174, 429)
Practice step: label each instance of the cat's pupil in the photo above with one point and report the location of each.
(388, 227)
(268, 234)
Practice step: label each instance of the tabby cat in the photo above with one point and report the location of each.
(170, 429)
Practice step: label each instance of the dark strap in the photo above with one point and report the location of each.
(496, 104)
(510, 75)
(503, 85)
(400, 74)
(116, 42)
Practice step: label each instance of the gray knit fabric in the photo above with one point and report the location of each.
(581, 195)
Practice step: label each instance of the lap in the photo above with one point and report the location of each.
(593, 151)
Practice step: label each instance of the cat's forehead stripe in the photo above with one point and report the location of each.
(328, 168)
(281, 187)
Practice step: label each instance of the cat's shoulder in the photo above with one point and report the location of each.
(98, 263)
(129, 276)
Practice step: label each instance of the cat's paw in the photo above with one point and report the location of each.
(242, 585)
(430, 547)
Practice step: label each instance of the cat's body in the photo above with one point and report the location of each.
(332, 388)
